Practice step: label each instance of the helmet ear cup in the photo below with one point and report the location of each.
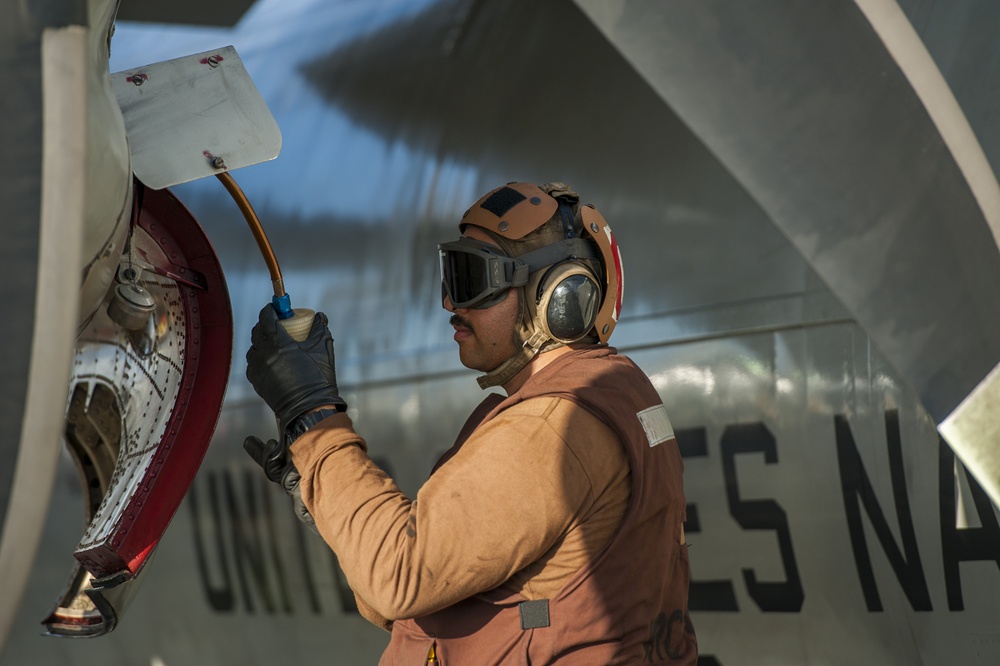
(569, 297)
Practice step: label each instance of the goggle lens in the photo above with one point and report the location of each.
(465, 276)
(475, 274)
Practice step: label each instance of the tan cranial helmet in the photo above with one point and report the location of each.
(561, 255)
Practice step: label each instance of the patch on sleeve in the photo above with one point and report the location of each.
(656, 424)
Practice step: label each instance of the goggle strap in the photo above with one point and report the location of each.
(519, 274)
(556, 252)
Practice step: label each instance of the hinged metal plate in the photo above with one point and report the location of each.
(187, 116)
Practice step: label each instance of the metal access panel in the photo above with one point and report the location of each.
(194, 116)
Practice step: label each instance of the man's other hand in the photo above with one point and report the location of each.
(277, 464)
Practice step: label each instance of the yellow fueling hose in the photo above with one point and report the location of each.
(258, 231)
(297, 322)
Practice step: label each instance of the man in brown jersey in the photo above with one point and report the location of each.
(552, 531)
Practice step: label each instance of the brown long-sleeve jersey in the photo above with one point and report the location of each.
(532, 495)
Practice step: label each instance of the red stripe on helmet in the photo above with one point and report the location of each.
(618, 272)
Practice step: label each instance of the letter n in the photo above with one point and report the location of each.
(858, 491)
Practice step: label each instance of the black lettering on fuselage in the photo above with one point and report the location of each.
(248, 547)
(858, 491)
(963, 544)
(243, 524)
(784, 596)
(220, 596)
(703, 595)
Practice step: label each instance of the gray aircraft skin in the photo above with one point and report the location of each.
(805, 201)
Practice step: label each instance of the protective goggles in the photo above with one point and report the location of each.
(477, 275)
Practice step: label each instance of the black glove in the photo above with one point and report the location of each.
(278, 467)
(292, 377)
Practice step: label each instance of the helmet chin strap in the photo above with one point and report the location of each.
(504, 372)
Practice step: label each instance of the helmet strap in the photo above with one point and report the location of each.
(566, 215)
(504, 372)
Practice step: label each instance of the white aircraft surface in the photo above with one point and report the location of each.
(807, 208)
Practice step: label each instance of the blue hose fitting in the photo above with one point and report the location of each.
(282, 306)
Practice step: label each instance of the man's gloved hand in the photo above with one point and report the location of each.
(278, 467)
(292, 377)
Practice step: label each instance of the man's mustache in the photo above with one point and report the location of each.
(459, 320)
